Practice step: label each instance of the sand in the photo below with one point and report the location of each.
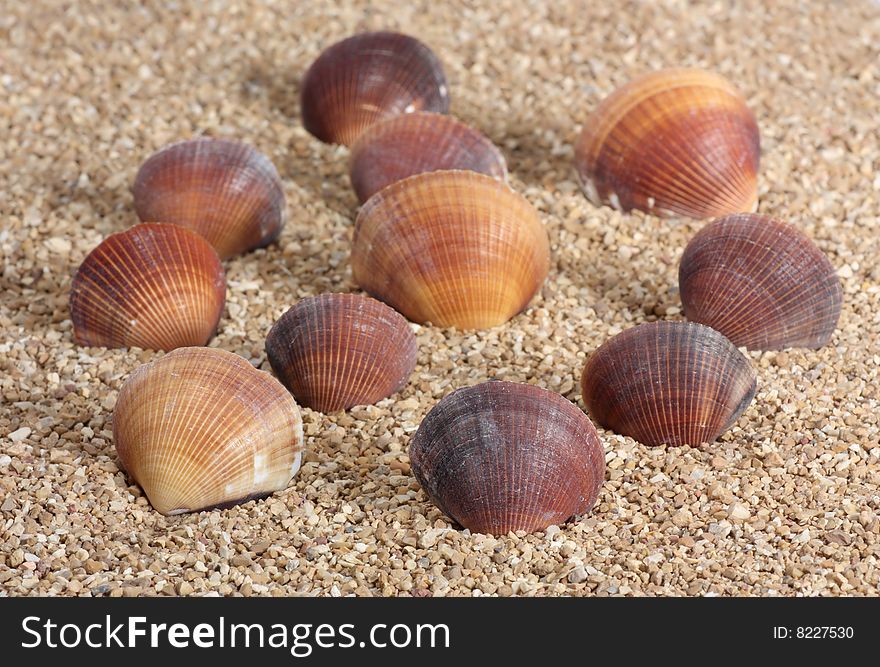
(785, 503)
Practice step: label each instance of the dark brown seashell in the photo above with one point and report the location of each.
(366, 78)
(413, 143)
(156, 286)
(225, 190)
(672, 142)
(671, 383)
(761, 282)
(501, 457)
(335, 351)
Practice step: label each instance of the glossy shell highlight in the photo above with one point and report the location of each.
(761, 282)
(335, 351)
(368, 77)
(225, 190)
(501, 457)
(413, 143)
(672, 142)
(671, 383)
(454, 248)
(155, 286)
(201, 428)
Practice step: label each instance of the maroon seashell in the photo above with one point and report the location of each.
(403, 146)
(501, 457)
(155, 285)
(335, 351)
(225, 190)
(668, 383)
(368, 77)
(672, 142)
(761, 282)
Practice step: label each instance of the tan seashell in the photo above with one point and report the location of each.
(502, 457)
(155, 286)
(761, 282)
(672, 142)
(413, 143)
(225, 190)
(668, 383)
(454, 248)
(335, 351)
(368, 77)
(201, 428)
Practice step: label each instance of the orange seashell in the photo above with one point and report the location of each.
(413, 143)
(761, 282)
(156, 286)
(335, 351)
(454, 248)
(201, 428)
(225, 190)
(672, 142)
(668, 383)
(501, 457)
(368, 77)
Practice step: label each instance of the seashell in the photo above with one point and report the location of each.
(454, 248)
(335, 351)
(368, 77)
(501, 457)
(156, 286)
(225, 190)
(672, 142)
(201, 428)
(671, 383)
(761, 282)
(403, 146)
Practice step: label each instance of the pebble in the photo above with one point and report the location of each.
(20, 434)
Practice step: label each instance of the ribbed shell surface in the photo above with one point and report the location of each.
(335, 351)
(668, 383)
(155, 286)
(454, 248)
(225, 190)
(672, 142)
(202, 428)
(502, 456)
(761, 282)
(394, 149)
(367, 77)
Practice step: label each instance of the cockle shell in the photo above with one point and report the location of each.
(403, 146)
(668, 383)
(454, 248)
(672, 142)
(155, 286)
(501, 457)
(335, 351)
(201, 428)
(761, 282)
(368, 77)
(225, 190)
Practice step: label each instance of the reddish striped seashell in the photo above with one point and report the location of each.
(761, 282)
(368, 77)
(227, 191)
(156, 286)
(454, 248)
(501, 457)
(672, 142)
(335, 351)
(668, 383)
(201, 428)
(413, 143)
